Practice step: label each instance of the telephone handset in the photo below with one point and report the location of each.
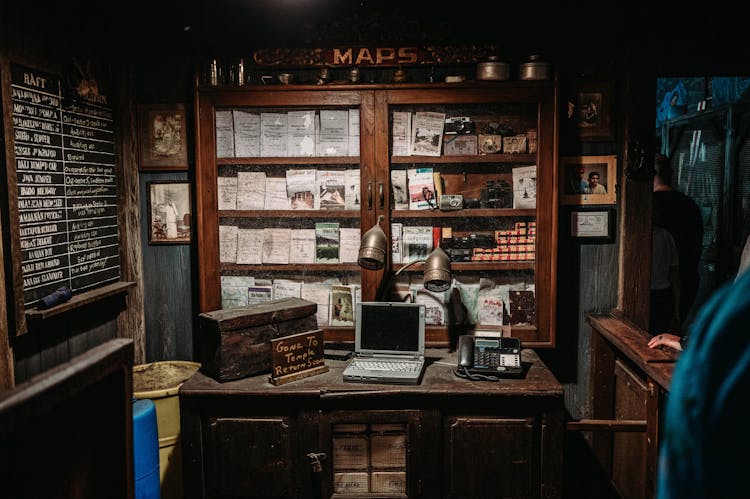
(488, 358)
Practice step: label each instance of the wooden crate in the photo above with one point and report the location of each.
(390, 482)
(351, 483)
(236, 343)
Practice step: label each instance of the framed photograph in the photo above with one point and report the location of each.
(592, 225)
(169, 217)
(162, 136)
(589, 112)
(588, 179)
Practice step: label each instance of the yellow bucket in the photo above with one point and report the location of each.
(160, 382)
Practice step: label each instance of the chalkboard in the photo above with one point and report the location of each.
(64, 194)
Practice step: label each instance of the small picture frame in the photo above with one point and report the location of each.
(162, 137)
(169, 215)
(589, 112)
(588, 180)
(592, 225)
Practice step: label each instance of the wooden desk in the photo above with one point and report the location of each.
(630, 382)
(447, 437)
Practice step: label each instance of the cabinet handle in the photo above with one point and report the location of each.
(381, 194)
(316, 460)
(369, 195)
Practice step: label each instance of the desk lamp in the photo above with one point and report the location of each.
(373, 252)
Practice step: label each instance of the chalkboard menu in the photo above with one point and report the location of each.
(65, 184)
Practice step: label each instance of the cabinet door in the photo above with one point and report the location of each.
(473, 170)
(373, 453)
(254, 457)
(279, 197)
(491, 458)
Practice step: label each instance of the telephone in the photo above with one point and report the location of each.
(488, 358)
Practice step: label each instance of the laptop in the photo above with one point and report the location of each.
(388, 343)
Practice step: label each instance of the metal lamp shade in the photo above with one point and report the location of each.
(373, 248)
(437, 271)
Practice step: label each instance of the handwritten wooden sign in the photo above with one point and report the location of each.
(297, 356)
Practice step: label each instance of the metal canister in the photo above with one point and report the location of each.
(492, 69)
(535, 69)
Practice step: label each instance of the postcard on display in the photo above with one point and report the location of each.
(331, 189)
(399, 190)
(416, 242)
(427, 135)
(286, 288)
(354, 132)
(224, 134)
(524, 187)
(396, 242)
(276, 197)
(352, 195)
(300, 187)
(246, 134)
(226, 192)
(333, 139)
(251, 190)
(349, 240)
(326, 242)
(436, 311)
(234, 290)
(301, 136)
(421, 189)
(227, 243)
(276, 245)
(250, 246)
(302, 246)
(318, 293)
(273, 134)
(401, 133)
(341, 306)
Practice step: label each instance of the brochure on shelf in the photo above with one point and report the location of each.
(246, 134)
(227, 243)
(224, 134)
(251, 190)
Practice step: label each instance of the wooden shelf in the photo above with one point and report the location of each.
(475, 266)
(294, 267)
(474, 158)
(470, 213)
(307, 160)
(316, 214)
(79, 300)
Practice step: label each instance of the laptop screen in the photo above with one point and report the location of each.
(390, 327)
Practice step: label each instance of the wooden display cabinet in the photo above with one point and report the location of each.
(510, 246)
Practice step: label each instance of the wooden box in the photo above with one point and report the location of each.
(236, 343)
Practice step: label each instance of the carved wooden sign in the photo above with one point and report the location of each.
(373, 56)
(297, 356)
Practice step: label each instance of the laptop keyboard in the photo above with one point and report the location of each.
(391, 365)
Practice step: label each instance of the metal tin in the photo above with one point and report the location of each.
(535, 69)
(492, 69)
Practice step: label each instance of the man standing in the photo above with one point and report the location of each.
(681, 216)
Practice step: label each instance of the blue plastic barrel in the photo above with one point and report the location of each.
(145, 450)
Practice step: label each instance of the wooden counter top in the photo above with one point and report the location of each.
(438, 380)
(632, 341)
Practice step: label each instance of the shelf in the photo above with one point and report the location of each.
(473, 213)
(307, 160)
(288, 214)
(294, 267)
(474, 158)
(79, 300)
(475, 266)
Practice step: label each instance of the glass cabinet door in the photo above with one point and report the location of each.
(287, 205)
(473, 173)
